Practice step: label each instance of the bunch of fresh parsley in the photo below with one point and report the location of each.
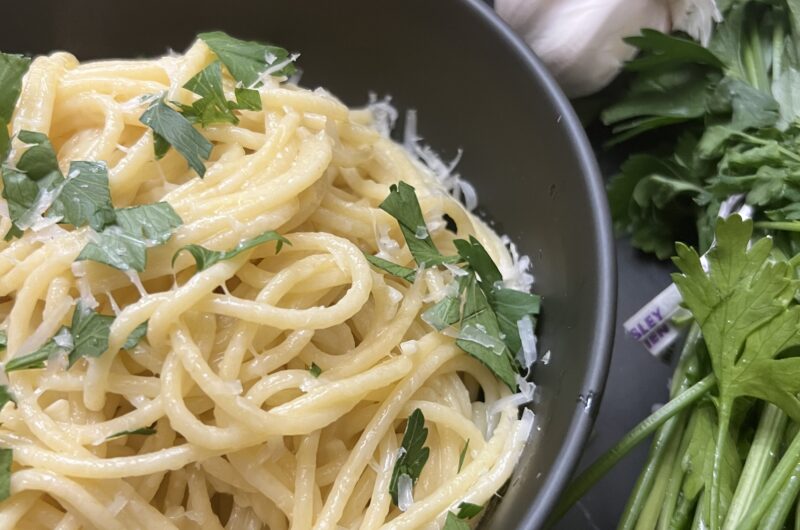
(709, 126)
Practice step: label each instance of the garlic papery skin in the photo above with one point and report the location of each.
(580, 41)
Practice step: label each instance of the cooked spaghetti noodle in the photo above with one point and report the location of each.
(222, 424)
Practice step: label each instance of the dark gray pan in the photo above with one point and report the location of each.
(476, 87)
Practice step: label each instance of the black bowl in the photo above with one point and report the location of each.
(475, 86)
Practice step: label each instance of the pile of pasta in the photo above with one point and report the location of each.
(240, 434)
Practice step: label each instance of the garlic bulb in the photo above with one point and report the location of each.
(580, 41)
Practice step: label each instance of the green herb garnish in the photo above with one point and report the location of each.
(142, 431)
(247, 60)
(487, 311)
(458, 521)
(84, 198)
(27, 186)
(413, 453)
(171, 128)
(212, 107)
(12, 69)
(136, 335)
(36, 359)
(6, 455)
(403, 205)
(124, 244)
(463, 455)
(394, 269)
(314, 370)
(205, 258)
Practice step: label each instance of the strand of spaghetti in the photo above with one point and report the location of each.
(67, 492)
(432, 505)
(35, 105)
(258, 475)
(271, 293)
(104, 468)
(33, 289)
(429, 357)
(13, 509)
(295, 416)
(304, 482)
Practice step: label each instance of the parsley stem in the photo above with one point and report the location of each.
(661, 447)
(760, 461)
(760, 141)
(653, 507)
(778, 44)
(674, 502)
(723, 424)
(786, 226)
(779, 511)
(601, 466)
(789, 463)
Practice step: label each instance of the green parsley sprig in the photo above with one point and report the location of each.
(487, 312)
(413, 453)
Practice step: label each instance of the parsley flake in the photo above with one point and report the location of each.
(247, 60)
(205, 258)
(413, 453)
(170, 127)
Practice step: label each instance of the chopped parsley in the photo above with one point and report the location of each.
(314, 370)
(413, 453)
(171, 128)
(87, 336)
(212, 107)
(487, 312)
(6, 455)
(85, 198)
(142, 431)
(204, 258)
(124, 244)
(247, 61)
(394, 269)
(12, 69)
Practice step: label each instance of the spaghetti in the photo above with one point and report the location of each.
(270, 389)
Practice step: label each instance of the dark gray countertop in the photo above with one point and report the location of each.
(636, 382)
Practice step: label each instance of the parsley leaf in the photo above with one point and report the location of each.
(27, 186)
(479, 335)
(247, 60)
(5, 396)
(88, 337)
(479, 261)
(406, 273)
(3, 339)
(403, 205)
(315, 370)
(6, 455)
(742, 307)
(452, 522)
(136, 335)
(509, 305)
(413, 453)
(172, 127)
(467, 510)
(246, 99)
(463, 455)
(35, 359)
(443, 313)
(90, 332)
(85, 197)
(205, 258)
(143, 431)
(124, 245)
(12, 69)
(212, 107)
